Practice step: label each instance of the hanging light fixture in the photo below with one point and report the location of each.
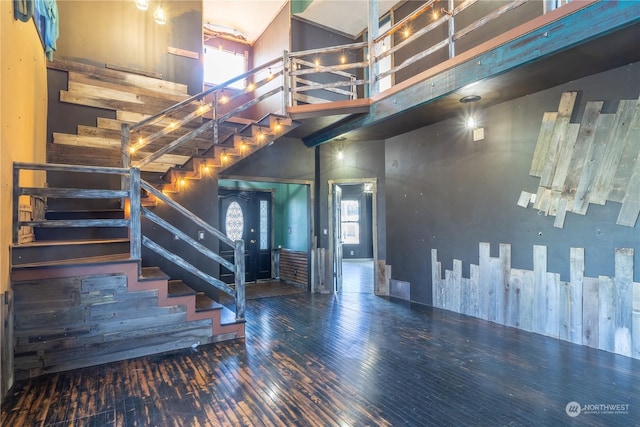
(159, 16)
(142, 4)
(471, 122)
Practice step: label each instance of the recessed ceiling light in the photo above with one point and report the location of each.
(470, 98)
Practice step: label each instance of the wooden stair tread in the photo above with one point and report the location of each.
(177, 288)
(42, 243)
(153, 273)
(204, 303)
(102, 259)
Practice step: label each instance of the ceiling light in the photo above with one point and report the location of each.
(471, 122)
(470, 98)
(159, 16)
(142, 4)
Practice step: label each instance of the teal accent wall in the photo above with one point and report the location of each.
(290, 211)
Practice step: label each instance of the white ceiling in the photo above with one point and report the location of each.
(251, 17)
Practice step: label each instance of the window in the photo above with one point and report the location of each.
(234, 221)
(222, 65)
(350, 214)
(264, 225)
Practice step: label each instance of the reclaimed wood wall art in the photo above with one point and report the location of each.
(600, 312)
(594, 161)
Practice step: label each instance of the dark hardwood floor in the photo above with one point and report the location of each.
(346, 360)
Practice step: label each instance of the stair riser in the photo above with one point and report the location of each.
(26, 254)
(80, 233)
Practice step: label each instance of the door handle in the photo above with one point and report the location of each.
(252, 241)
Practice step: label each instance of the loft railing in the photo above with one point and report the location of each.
(410, 32)
(314, 80)
(133, 221)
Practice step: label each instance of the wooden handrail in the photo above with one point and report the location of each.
(179, 261)
(201, 95)
(186, 238)
(186, 213)
(323, 50)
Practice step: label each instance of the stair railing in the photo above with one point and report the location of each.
(237, 267)
(201, 116)
(134, 212)
(131, 193)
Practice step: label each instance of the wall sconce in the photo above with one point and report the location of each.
(340, 154)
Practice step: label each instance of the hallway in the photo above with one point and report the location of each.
(350, 359)
(357, 276)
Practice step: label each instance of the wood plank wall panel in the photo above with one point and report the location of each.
(126, 94)
(594, 161)
(294, 266)
(70, 322)
(600, 312)
(6, 340)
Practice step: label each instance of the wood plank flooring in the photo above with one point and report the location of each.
(344, 360)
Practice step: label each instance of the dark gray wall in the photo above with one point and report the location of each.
(286, 158)
(445, 191)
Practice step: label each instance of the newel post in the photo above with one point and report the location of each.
(135, 229)
(15, 232)
(286, 69)
(239, 273)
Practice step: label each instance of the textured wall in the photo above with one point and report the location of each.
(447, 192)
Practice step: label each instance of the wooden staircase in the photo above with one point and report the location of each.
(80, 297)
(132, 98)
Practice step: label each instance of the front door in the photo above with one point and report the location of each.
(247, 215)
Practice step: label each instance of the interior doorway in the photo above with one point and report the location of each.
(353, 235)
